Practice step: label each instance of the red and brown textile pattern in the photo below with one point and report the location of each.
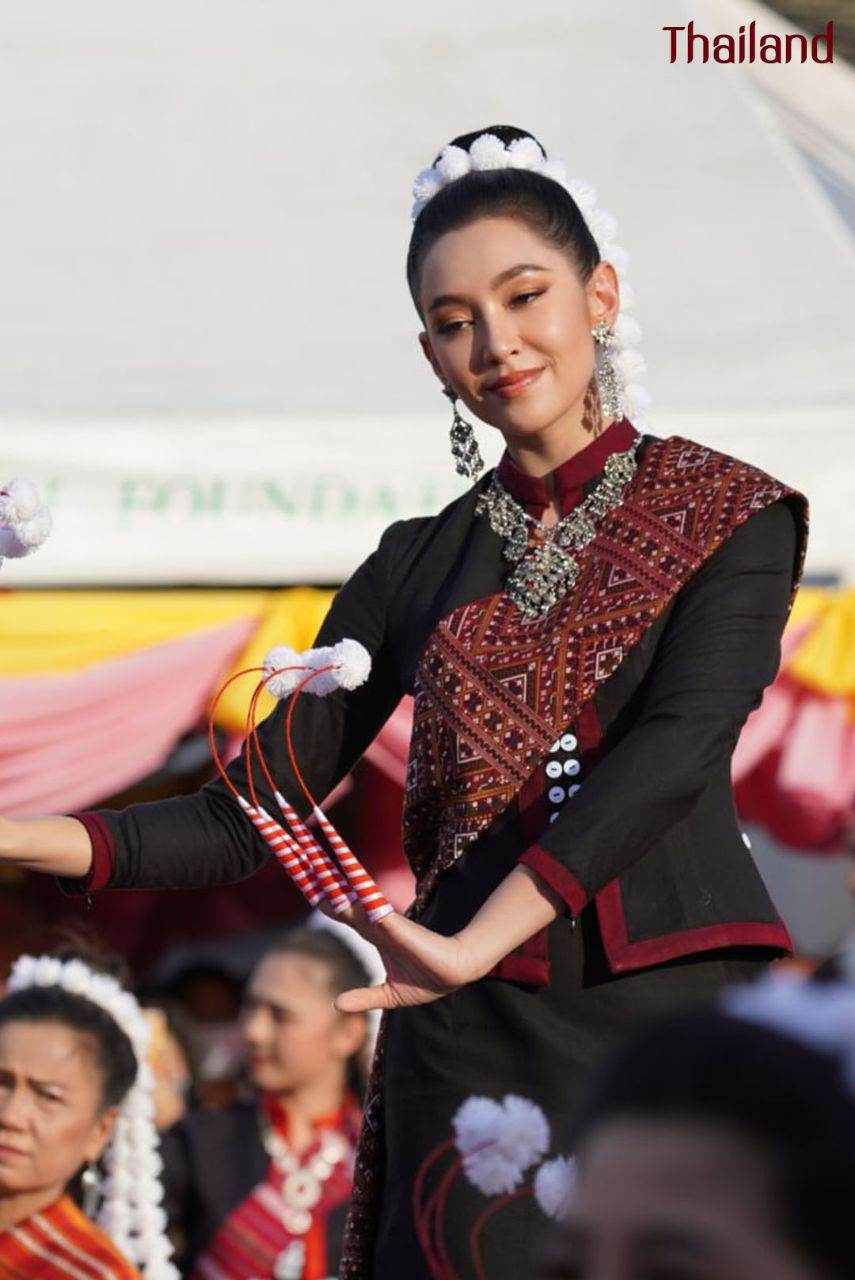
(253, 1236)
(61, 1244)
(493, 691)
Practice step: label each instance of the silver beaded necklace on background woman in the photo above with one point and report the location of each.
(302, 1187)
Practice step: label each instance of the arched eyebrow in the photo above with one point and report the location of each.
(507, 274)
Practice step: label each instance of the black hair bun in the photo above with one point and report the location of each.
(506, 133)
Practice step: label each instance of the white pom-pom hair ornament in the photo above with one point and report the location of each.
(131, 1212)
(820, 1015)
(487, 151)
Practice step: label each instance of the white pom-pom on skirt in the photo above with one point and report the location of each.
(554, 1184)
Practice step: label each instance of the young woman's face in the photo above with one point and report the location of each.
(497, 299)
(293, 1033)
(675, 1200)
(51, 1116)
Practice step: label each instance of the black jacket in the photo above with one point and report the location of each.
(211, 1162)
(652, 836)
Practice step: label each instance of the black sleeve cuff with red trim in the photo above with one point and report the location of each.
(103, 856)
(556, 876)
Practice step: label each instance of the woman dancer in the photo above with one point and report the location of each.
(584, 632)
(74, 1089)
(260, 1189)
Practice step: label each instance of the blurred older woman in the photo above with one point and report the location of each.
(71, 1043)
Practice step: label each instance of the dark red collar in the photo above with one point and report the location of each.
(569, 476)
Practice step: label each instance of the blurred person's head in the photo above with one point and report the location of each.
(482, 320)
(206, 997)
(295, 1038)
(169, 1057)
(712, 1148)
(208, 993)
(65, 1067)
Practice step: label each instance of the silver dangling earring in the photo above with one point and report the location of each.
(91, 1182)
(464, 446)
(608, 382)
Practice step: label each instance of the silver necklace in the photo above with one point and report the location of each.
(302, 1188)
(546, 570)
(303, 1183)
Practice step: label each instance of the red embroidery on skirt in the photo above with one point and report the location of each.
(492, 691)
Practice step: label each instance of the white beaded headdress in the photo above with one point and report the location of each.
(131, 1212)
(487, 151)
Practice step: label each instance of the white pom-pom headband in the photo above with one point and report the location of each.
(131, 1212)
(820, 1015)
(488, 151)
(333, 875)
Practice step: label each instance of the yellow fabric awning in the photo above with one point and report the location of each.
(62, 632)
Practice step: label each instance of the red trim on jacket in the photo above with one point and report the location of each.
(623, 954)
(103, 854)
(529, 962)
(556, 876)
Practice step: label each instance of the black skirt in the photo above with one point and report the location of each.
(495, 1037)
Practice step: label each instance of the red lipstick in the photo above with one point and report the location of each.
(513, 383)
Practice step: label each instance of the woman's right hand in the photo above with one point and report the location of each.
(57, 846)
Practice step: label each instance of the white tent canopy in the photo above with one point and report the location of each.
(202, 246)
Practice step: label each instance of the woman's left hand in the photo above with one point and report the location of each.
(420, 965)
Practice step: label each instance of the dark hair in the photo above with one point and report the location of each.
(115, 1059)
(789, 1099)
(548, 209)
(346, 971)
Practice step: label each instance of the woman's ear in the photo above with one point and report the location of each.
(100, 1134)
(603, 294)
(430, 357)
(351, 1034)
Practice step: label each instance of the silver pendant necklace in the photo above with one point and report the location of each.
(547, 570)
(301, 1190)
